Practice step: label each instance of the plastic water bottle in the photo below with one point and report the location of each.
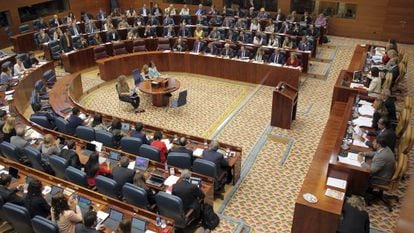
(158, 221)
(166, 166)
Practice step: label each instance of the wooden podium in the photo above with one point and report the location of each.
(284, 104)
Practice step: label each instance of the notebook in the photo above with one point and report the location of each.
(138, 225)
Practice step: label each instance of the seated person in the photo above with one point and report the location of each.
(94, 169)
(168, 21)
(285, 28)
(122, 174)
(9, 129)
(89, 224)
(198, 45)
(293, 61)
(153, 71)
(389, 104)
(9, 195)
(145, 72)
(185, 10)
(33, 60)
(304, 44)
(383, 162)
(228, 22)
(255, 26)
(116, 130)
(306, 18)
(270, 28)
(139, 181)
(43, 37)
(170, 10)
(296, 31)
(214, 34)
(211, 48)
(243, 53)
(124, 93)
(66, 42)
(19, 141)
(68, 152)
(90, 27)
(190, 194)
(200, 10)
(277, 57)
(386, 131)
(260, 56)
(232, 35)
(95, 40)
(50, 146)
(65, 213)
(37, 109)
(74, 120)
(180, 45)
(169, 31)
(221, 164)
(74, 29)
(354, 216)
(97, 123)
(153, 21)
(287, 43)
(137, 133)
(156, 10)
(199, 33)
(3, 117)
(160, 145)
(374, 88)
(215, 21)
(258, 39)
(227, 51)
(240, 24)
(133, 34)
(123, 24)
(149, 32)
(112, 35)
(18, 68)
(182, 141)
(262, 14)
(6, 75)
(184, 31)
(34, 201)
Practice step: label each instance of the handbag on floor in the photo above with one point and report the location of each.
(210, 220)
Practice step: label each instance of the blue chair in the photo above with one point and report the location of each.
(107, 186)
(50, 78)
(136, 196)
(208, 168)
(41, 89)
(130, 145)
(106, 138)
(137, 77)
(55, 50)
(34, 157)
(172, 207)
(62, 125)
(42, 121)
(149, 152)
(19, 217)
(58, 165)
(180, 101)
(86, 133)
(10, 151)
(44, 225)
(77, 42)
(77, 176)
(180, 160)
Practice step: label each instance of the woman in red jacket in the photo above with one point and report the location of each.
(93, 169)
(157, 143)
(293, 61)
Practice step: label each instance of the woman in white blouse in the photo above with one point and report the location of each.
(374, 88)
(18, 68)
(185, 10)
(273, 41)
(255, 26)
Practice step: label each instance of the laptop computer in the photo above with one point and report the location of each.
(156, 180)
(55, 190)
(113, 220)
(89, 149)
(113, 158)
(141, 163)
(84, 204)
(138, 225)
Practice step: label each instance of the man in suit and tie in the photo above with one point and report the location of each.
(184, 31)
(112, 35)
(101, 15)
(122, 174)
(182, 141)
(168, 21)
(169, 31)
(277, 57)
(74, 29)
(90, 27)
(227, 51)
(66, 42)
(218, 159)
(198, 45)
(383, 162)
(144, 10)
(200, 10)
(389, 103)
(214, 34)
(384, 131)
(189, 193)
(243, 53)
(180, 45)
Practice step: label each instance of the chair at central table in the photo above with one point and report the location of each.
(160, 89)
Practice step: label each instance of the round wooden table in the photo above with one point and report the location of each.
(160, 89)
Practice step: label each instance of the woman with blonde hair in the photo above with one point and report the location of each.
(9, 129)
(124, 93)
(49, 146)
(355, 218)
(145, 72)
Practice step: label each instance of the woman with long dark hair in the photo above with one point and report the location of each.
(34, 201)
(65, 213)
(93, 168)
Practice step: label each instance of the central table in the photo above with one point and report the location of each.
(160, 90)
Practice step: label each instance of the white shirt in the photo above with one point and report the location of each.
(185, 11)
(18, 69)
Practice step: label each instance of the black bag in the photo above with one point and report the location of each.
(210, 219)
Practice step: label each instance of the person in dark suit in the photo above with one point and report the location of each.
(383, 162)
(9, 195)
(395, 71)
(74, 29)
(34, 201)
(389, 104)
(277, 57)
(189, 193)
(168, 21)
(89, 224)
(37, 111)
(69, 153)
(243, 53)
(169, 31)
(122, 174)
(211, 48)
(180, 45)
(385, 131)
(280, 16)
(227, 51)
(355, 218)
(143, 11)
(221, 163)
(285, 28)
(41, 24)
(150, 31)
(112, 35)
(66, 42)
(200, 10)
(153, 21)
(198, 45)
(74, 120)
(156, 10)
(55, 22)
(139, 181)
(137, 133)
(182, 141)
(304, 44)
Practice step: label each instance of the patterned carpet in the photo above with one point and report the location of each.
(275, 161)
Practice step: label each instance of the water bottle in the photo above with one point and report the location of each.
(158, 221)
(166, 166)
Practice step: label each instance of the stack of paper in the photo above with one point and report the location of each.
(198, 152)
(363, 121)
(351, 159)
(171, 180)
(336, 183)
(357, 85)
(335, 194)
(131, 165)
(359, 143)
(366, 110)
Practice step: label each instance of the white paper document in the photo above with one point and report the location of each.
(335, 194)
(171, 180)
(366, 110)
(351, 159)
(359, 143)
(337, 183)
(131, 165)
(357, 85)
(363, 121)
(167, 143)
(198, 152)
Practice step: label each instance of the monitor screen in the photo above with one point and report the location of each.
(115, 215)
(141, 163)
(138, 224)
(84, 202)
(114, 155)
(90, 146)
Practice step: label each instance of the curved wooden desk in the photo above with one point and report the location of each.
(232, 69)
(161, 92)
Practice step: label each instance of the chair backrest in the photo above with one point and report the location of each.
(119, 48)
(136, 74)
(106, 138)
(182, 98)
(76, 176)
(24, 28)
(149, 152)
(135, 195)
(18, 216)
(139, 46)
(405, 140)
(403, 122)
(40, 87)
(58, 165)
(10, 151)
(44, 225)
(107, 186)
(62, 125)
(56, 51)
(408, 102)
(85, 133)
(388, 80)
(42, 121)
(163, 44)
(76, 42)
(100, 52)
(205, 167)
(180, 160)
(49, 76)
(172, 207)
(34, 157)
(130, 145)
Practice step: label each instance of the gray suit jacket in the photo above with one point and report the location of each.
(19, 142)
(382, 166)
